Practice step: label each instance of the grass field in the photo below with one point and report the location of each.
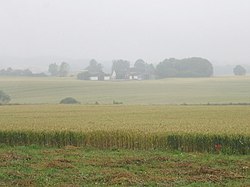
(72, 166)
(168, 91)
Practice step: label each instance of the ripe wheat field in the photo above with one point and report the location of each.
(188, 128)
(147, 119)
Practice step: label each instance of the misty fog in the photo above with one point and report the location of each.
(35, 33)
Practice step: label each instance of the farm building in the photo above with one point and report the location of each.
(98, 76)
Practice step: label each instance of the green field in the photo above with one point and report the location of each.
(167, 91)
(72, 166)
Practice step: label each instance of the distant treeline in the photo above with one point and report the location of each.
(140, 70)
(188, 67)
(20, 72)
(122, 69)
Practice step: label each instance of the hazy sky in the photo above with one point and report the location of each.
(129, 29)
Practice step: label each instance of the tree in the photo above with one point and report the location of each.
(239, 70)
(27, 72)
(149, 72)
(121, 68)
(144, 70)
(17, 72)
(94, 66)
(83, 75)
(188, 67)
(4, 98)
(140, 66)
(53, 69)
(64, 69)
(9, 70)
(165, 69)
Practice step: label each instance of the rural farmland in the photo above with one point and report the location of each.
(179, 123)
(124, 93)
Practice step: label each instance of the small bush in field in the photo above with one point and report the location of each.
(69, 100)
(117, 102)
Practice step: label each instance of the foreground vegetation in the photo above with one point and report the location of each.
(210, 129)
(73, 166)
(169, 91)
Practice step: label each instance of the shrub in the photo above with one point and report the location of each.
(117, 102)
(69, 100)
(4, 98)
(239, 70)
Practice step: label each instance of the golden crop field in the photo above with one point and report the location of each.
(151, 119)
(190, 128)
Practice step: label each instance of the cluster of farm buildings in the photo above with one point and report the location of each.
(130, 75)
(120, 71)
